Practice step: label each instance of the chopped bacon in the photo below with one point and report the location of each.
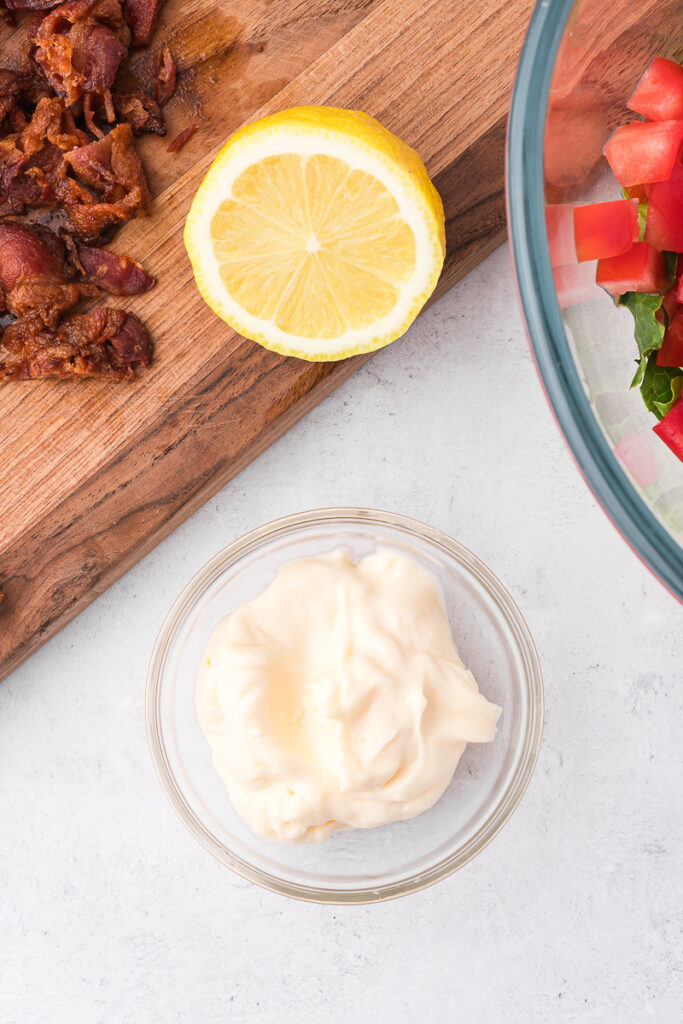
(113, 272)
(89, 117)
(140, 111)
(79, 46)
(88, 218)
(107, 343)
(109, 112)
(34, 170)
(30, 5)
(29, 159)
(103, 56)
(109, 165)
(181, 138)
(19, 93)
(10, 87)
(141, 16)
(49, 163)
(11, 162)
(32, 161)
(27, 191)
(53, 123)
(35, 277)
(164, 75)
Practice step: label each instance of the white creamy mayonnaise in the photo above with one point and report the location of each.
(337, 699)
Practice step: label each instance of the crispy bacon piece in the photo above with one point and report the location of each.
(11, 162)
(110, 165)
(140, 111)
(102, 58)
(164, 75)
(53, 123)
(10, 90)
(109, 187)
(141, 16)
(88, 218)
(111, 271)
(35, 277)
(107, 343)
(26, 192)
(20, 91)
(30, 5)
(32, 161)
(79, 45)
(181, 138)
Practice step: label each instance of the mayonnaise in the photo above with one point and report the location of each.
(336, 698)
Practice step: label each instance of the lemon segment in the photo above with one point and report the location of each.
(316, 233)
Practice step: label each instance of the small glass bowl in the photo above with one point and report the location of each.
(360, 865)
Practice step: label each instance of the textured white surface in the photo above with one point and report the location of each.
(109, 910)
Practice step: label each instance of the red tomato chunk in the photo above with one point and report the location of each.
(605, 229)
(640, 192)
(670, 429)
(669, 307)
(659, 93)
(641, 269)
(664, 227)
(644, 151)
(671, 352)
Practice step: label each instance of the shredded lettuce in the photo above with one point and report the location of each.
(649, 333)
(661, 386)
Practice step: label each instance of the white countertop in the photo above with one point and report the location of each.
(110, 911)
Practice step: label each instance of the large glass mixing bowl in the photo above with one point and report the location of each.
(580, 63)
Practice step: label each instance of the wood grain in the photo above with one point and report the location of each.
(92, 475)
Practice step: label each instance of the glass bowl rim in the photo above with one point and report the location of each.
(564, 391)
(519, 634)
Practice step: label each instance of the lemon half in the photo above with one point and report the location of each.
(317, 233)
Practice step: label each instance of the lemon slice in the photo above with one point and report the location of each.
(317, 233)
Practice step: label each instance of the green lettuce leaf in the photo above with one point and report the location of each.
(642, 219)
(649, 333)
(661, 386)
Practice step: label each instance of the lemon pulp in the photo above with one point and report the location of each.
(317, 233)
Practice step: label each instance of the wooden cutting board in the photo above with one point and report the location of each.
(93, 475)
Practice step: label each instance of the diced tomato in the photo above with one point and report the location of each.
(575, 283)
(659, 93)
(671, 352)
(559, 220)
(664, 226)
(605, 229)
(641, 269)
(640, 192)
(644, 151)
(669, 307)
(677, 286)
(670, 429)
